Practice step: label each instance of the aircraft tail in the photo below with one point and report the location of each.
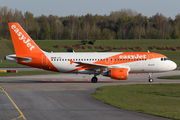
(23, 44)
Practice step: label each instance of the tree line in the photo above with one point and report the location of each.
(123, 24)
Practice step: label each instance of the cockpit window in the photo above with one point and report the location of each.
(164, 59)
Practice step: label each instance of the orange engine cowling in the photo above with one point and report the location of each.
(119, 74)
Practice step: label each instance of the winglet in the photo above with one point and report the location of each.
(71, 62)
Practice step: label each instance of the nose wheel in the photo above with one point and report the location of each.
(94, 80)
(150, 78)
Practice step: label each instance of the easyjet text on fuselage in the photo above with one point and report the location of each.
(137, 56)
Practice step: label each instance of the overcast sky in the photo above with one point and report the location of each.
(169, 8)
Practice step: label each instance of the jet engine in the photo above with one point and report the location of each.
(118, 73)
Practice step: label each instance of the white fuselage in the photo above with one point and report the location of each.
(62, 63)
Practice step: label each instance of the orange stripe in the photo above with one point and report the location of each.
(127, 56)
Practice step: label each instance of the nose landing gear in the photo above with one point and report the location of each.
(150, 78)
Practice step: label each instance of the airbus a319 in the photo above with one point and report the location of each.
(116, 65)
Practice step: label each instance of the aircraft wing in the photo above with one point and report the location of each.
(87, 65)
(98, 66)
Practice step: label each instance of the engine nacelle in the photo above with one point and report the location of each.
(118, 73)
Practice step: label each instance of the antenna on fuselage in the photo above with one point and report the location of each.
(148, 51)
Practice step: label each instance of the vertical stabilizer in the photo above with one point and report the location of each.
(23, 44)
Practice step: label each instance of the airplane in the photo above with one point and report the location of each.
(116, 65)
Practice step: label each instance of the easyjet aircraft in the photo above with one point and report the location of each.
(116, 65)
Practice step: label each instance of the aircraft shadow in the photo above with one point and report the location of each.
(37, 81)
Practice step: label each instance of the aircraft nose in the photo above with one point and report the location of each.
(173, 65)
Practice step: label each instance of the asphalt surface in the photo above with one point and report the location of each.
(46, 97)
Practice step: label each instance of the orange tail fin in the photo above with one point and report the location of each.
(23, 44)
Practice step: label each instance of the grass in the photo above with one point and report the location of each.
(155, 99)
(22, 73)
(6, 47)
(170, 77)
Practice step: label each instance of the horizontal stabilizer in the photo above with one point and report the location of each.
(14, 58)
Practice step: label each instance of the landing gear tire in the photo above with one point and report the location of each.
(150, 80)
(94, 80)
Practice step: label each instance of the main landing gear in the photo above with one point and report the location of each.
(94, 79)
(150, 78)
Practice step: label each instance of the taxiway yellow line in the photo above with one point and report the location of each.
(21, 114)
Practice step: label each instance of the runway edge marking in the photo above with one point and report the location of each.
(21, 114)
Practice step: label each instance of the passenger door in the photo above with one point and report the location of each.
(151, 60)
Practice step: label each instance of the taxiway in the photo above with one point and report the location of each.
(65, 97)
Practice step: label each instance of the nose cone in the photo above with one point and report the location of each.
(173, 65)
